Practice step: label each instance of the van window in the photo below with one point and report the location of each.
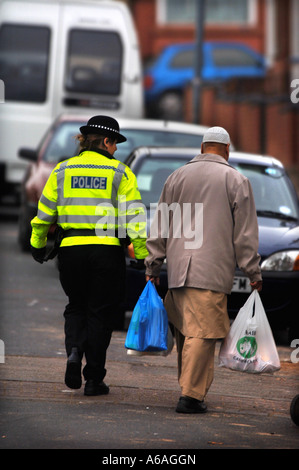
(24, 55)
(94, 62)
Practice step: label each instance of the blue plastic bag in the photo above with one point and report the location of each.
(148, 327)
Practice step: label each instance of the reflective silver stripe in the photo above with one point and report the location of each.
(124, 205)
(50, 204)
(86, 219)
(116, 182)
(89, 201)
(85, 201)
(46, 217)
(136, 218)
(60, 183)
(90, 166)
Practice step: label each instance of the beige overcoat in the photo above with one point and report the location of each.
(211, 227)
(204, 226)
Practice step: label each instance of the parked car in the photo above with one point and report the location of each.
(59, 143)
(167, 75)
(278, 218)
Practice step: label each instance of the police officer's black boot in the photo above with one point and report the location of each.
(73, 377)
(95, 388)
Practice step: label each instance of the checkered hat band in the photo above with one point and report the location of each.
(103, 127)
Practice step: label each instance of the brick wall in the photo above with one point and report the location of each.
(154, 37)
(255, 125)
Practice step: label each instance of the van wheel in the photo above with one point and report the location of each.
(170, 106)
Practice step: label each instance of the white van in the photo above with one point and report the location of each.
(63, 56)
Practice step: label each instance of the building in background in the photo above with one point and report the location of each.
(262, 116)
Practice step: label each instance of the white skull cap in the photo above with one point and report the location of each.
(216, 134)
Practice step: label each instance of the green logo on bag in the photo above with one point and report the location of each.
(247, 346)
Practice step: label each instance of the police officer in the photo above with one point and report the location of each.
(94, 198)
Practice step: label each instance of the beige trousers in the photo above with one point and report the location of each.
(200, 318)
(195, 364)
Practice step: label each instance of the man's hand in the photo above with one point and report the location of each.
(257, 285)
(154, 280)
(38, 254)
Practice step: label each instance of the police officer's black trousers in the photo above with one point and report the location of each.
(93, 278)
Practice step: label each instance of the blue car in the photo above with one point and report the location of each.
(166, 77)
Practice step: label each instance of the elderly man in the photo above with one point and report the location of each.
(212, 202)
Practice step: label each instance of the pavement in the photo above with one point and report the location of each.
(245, 411)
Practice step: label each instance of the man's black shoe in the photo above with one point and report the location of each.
(93, 388)
(73, 377)
(190, 405)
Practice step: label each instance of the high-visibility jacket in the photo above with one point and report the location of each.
(92, 192)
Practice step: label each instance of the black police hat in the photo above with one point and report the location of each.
(103, 125)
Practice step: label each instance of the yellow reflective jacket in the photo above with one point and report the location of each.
(92, 191)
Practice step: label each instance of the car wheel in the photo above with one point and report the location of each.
(24, 227)
(294, 410)
(170, 106)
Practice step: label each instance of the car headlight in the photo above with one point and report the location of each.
(282, 261)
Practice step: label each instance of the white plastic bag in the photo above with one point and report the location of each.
(249, 345)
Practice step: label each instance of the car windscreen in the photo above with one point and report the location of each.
(155, 138)
(271, 189)
(151, 175)
(63, 143)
